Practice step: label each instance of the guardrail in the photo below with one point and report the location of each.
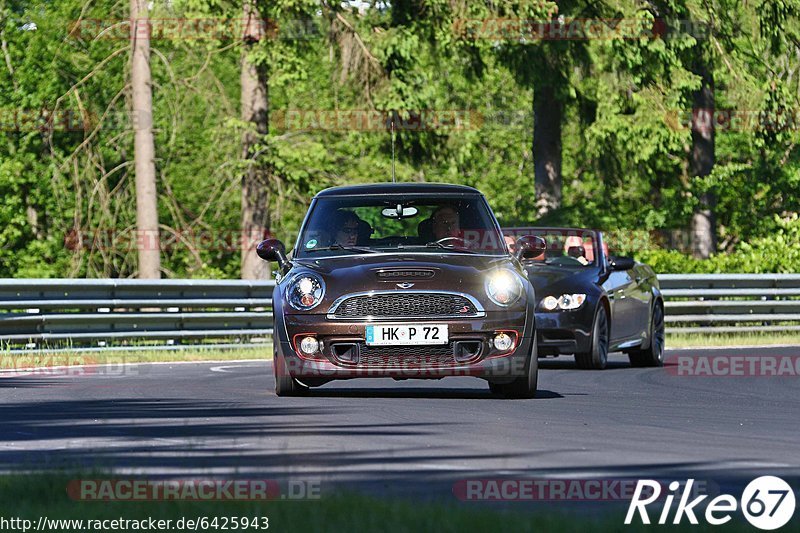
(46, 312)
(37, 313)
(725, 303)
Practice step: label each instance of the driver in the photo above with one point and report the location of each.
(574, 247)
(446, 223)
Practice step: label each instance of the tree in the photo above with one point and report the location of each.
(546, 66)
(548, 111)
(148, 241)
(255, 178)
(702, 158)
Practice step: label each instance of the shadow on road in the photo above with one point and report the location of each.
(168, 435)
(418, 393)
(29, 381)
(568, 363)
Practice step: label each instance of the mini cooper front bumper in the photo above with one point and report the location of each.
(343, 352)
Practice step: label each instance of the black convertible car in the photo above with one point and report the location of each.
(590, 303)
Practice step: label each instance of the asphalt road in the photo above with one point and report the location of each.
(411, 437)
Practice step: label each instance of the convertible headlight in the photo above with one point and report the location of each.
(305, 291)
(503, 287)
(565, 302)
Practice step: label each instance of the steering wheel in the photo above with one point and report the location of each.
(458, 239)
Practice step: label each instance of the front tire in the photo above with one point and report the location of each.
(653, 355)
(597, 357)
(285, 384)
(526, 385)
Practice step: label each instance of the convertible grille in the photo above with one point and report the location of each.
(406, 356)
(406, 305)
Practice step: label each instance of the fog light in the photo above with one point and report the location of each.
(503, 342)
(309, 345)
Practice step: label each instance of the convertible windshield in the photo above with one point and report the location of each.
(365, 224)
(565, 246)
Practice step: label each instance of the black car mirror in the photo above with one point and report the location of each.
(622, 263)
(272, 250)
(530, 246)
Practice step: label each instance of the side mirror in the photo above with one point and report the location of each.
(622, 263)
(272, 250)
(530, 246)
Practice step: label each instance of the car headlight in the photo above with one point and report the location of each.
(305, 291)
(503, 287)
(565, 302)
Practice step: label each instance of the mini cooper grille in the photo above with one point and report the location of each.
(406, 356)
(406, 305)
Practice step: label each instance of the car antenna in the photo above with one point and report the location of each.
(394, 180)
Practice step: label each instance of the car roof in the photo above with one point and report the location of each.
(397, 188)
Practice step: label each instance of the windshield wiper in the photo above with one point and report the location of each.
(342, 247)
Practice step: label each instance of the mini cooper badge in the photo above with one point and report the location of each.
(405, 285)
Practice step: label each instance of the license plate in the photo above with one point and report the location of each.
(400, 334)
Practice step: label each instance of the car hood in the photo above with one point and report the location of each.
(427, 271)
(553, 280)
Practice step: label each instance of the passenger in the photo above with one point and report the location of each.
(589, 247)
(348, 225)
(511, 243)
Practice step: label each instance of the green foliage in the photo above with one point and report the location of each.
(777, 252)
(625, 137)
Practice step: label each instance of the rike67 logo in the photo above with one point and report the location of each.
(767, 502)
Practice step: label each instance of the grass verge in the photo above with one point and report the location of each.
(56, 358)
(684, 340)
(149, 354)
(44, 495)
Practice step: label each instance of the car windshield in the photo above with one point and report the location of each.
(572, 248)
(414, 223)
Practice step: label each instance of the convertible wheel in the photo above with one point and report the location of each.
(654, 354)
(495, 388)
(285, 384)
(597, 358)
(524, 386)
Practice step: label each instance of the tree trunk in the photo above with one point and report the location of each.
(255, 181)
(547, 114)
(148, 242)
(703, 228)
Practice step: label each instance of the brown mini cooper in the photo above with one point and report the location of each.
(403, 281)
